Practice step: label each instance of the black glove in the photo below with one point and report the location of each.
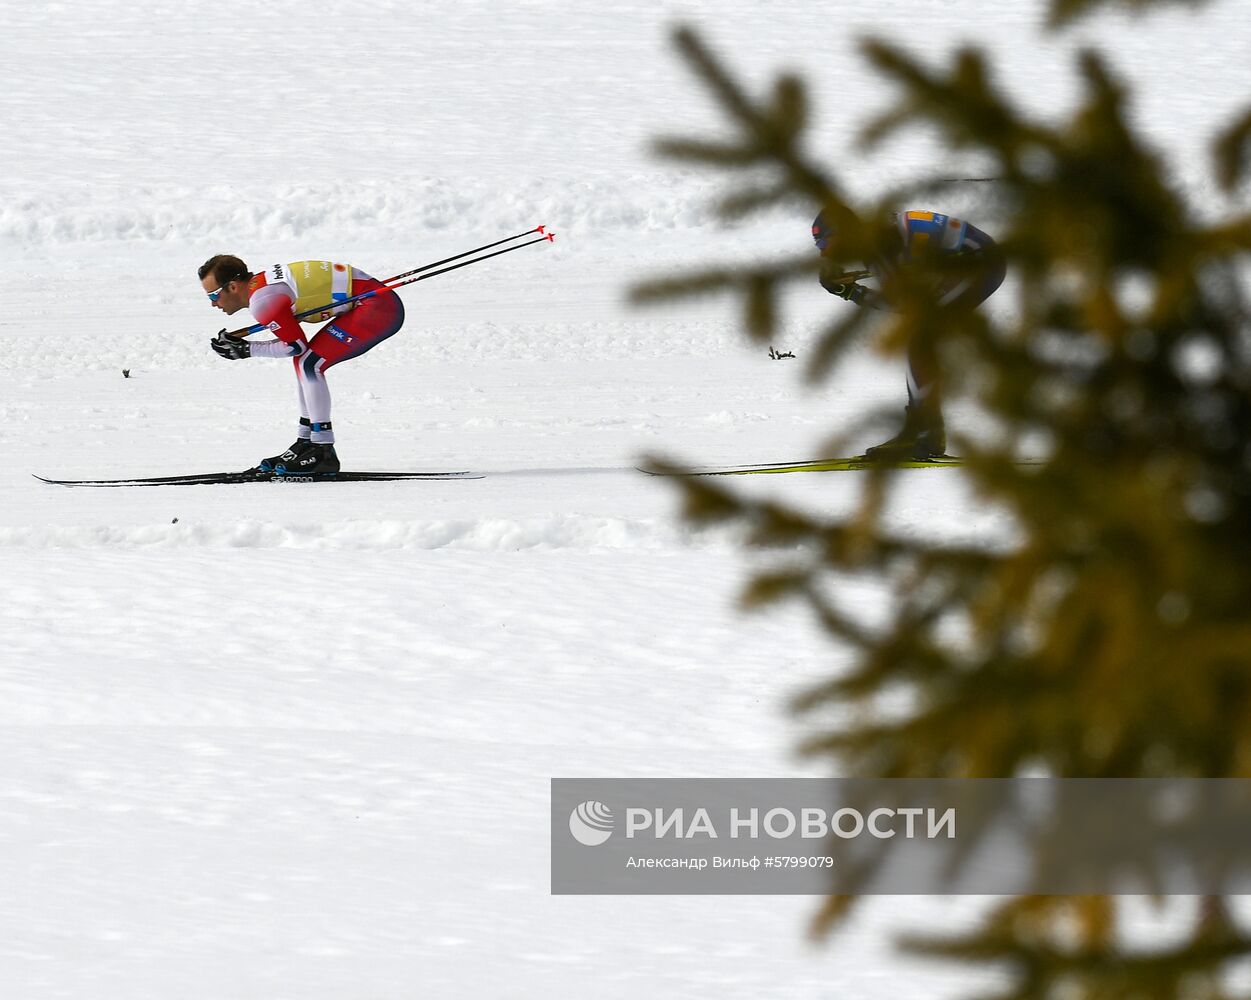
(230, 348)
(848, 290)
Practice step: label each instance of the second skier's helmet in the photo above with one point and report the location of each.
(822, 231)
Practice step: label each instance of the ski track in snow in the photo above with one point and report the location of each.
(297, 743)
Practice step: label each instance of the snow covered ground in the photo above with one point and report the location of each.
(296, 741)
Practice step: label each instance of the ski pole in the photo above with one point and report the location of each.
(549, 238)
(448, 260)
(394, 282)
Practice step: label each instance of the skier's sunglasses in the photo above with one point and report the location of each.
(214, 296)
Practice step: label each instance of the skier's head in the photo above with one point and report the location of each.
(225, 280)
(822, 232)
(849, 238)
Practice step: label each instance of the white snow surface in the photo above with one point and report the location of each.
(295, 742)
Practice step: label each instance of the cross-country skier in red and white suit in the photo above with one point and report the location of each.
(274, 296)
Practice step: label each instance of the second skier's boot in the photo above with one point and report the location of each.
(923, 437)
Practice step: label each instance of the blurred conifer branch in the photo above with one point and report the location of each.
(1065, 12)
(1109, 635)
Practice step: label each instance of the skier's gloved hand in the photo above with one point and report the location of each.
(230, 348)
(848, 290)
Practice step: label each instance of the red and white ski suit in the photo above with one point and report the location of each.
(278, 293)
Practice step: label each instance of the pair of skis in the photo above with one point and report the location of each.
(851, 464)
(252, 476)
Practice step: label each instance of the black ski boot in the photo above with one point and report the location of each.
(271, 464)
(316, 460)
(923, 438)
